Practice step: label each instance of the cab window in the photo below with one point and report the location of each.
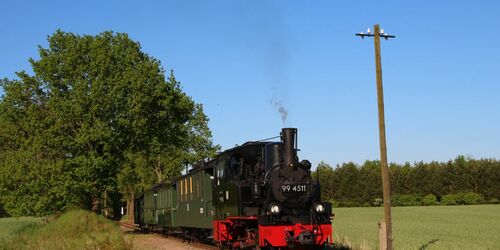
(219, 168)
(235, 166)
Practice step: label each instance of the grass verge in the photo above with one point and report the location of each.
(77, 229)
(11, 227)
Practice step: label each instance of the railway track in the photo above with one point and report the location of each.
(129, 225)
(177, 240)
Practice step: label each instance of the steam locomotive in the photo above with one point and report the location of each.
(257, 195)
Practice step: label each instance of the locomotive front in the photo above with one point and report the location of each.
(295, 215)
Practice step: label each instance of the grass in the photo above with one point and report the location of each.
(11, 227)
(433, 227)
(75, 229)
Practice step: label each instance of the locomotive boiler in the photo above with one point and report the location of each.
(257, 195)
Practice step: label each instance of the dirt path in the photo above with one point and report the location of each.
(141, 241)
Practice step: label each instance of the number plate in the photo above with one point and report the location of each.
(294, 188)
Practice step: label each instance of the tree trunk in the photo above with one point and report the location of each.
(158, 170)
(131, 211)
(128, 210)
(105, 203)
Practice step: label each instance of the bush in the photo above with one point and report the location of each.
(429, 200)
(335, 203)
(493, 201)
(346, 203)
(449, 199)
(406, 200)
(470, 198)
(3, 213)
(377, 202)
(349, 204)
(462, 198)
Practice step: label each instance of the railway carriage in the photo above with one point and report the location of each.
(257, 195)
(184, 204)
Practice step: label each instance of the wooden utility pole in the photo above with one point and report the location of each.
(377, 33)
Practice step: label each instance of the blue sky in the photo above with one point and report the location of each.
(238, 58)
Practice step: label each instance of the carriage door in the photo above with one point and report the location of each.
(155, 210)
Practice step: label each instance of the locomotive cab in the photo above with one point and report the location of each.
(234, 181)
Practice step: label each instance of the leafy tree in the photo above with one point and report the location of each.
(324, 174)
(97, 115)
(371, 181)
(349, 188)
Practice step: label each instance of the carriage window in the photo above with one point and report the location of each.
(181, 189)
(185, 189)
(190, 188)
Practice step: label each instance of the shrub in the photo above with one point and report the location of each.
(335, 203)
(348, 204)
(462, 198)
(3, 213)
(429, 200)
(493, 201)
(470, 198)
(449, 199)
(406, 200)
(377, 202)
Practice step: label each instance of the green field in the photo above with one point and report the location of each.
(433, 227)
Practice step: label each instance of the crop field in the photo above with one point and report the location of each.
(433, 227)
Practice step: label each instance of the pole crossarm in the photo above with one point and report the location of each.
(369, 34)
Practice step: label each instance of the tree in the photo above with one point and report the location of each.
(96, 112)
(325, 175)
(371, 181)
(461, 181)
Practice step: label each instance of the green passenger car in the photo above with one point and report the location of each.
(186, 202)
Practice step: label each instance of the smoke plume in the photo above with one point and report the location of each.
(283, 112)
(268, 38)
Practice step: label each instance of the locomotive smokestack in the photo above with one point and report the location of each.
(289, 139)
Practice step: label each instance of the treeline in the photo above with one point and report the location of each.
(95, 123)
(459, 181)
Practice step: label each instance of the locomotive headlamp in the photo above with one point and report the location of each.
(319, 208)
(274, 209)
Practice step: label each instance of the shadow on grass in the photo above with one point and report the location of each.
(426, 245)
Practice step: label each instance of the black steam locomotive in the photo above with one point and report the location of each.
(257, 195)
